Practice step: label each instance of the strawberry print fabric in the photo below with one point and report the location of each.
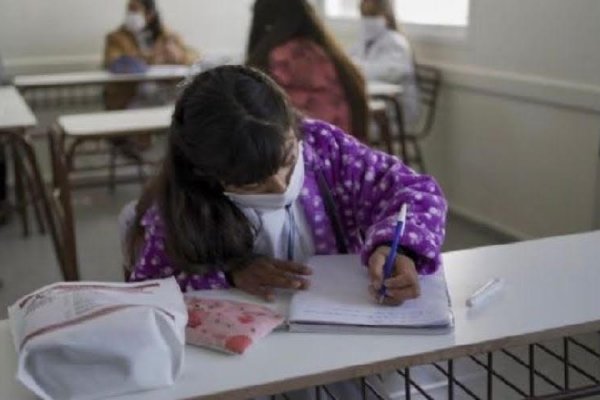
(228, 326)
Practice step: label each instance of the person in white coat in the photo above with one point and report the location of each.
(385, 55)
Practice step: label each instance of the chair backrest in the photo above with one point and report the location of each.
(125, 220)
(429, 81)
(62, 226)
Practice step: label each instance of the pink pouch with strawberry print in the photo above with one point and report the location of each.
(226, 325)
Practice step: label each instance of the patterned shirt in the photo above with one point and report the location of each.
(368, 188)
(310, 79)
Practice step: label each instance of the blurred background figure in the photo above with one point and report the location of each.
(384, 54)
(141, 41)
(290, 43)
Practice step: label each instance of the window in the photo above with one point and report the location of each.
(417, 12)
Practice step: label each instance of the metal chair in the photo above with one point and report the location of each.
(428, 81)
(379, 115)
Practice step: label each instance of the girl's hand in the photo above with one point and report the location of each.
(402, 285)
(264, 274)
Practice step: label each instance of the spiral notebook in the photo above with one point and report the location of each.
(338, 301)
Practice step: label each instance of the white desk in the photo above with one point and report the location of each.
(115, 123)
(375, 88)
(551, 290)
(154, 73)
(14, 111)
(111, 124)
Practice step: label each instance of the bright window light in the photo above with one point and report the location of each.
(423, 12)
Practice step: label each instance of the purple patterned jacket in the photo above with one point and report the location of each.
(368, 188)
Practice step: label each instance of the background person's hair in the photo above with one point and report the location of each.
(275, 22)
(230, 126)
(155, 26)
(388, 13)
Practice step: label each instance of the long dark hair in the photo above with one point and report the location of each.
(155, 26)
(275, 22)
(229, 127)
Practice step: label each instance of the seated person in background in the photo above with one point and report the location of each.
(248, 191)
(289, 42)
(384, 54)
(142, 40)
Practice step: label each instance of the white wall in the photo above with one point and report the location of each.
(37, 34)
(519, 129)
(516, 140)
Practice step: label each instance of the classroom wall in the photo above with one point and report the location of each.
(69, 34)
(516, 141)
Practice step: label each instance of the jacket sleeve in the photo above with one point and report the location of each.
(186, 55)
(370, 187)
(154, 263)
(113, 49)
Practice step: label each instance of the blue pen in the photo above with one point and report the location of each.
(388, 267)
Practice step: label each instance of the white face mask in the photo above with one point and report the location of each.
(135, 22)
(373, 27)
(272, 201)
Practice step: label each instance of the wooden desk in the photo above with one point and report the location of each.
(551, 291)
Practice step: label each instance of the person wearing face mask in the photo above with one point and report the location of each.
(142, 40)
(249, 190)
(384, 54)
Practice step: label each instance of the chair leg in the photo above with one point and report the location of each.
(63, 230)
(386, 135)
(20, 197)
(111, 168)
(383, 126)
(420, 161)
(141, 173)
(34, 196)
(36, 180)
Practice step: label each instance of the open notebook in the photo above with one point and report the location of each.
(338, 301)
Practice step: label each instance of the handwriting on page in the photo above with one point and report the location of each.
(329, 302)
(370, 316)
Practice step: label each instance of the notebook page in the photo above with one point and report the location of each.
(339, 295)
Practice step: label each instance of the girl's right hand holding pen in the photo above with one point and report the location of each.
(402, 285)
(264, 274)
